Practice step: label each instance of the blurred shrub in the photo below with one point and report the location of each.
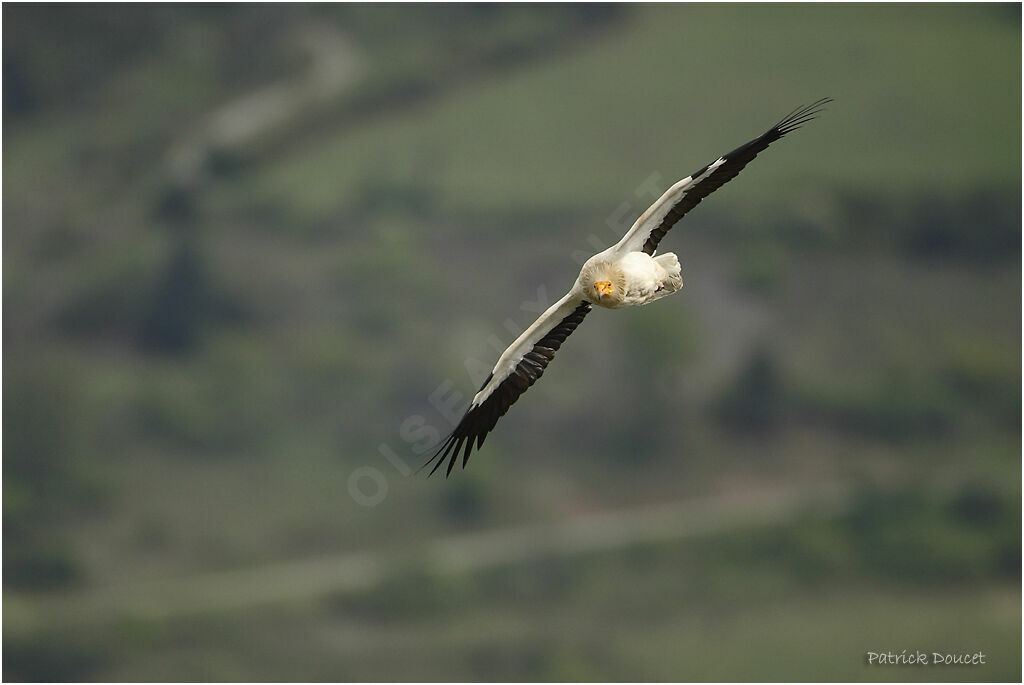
(976, 506)
(754, 403)
(464, 501)
(65, 54)
(39, 565)
(986, 378)
(984, 511)
(164, 308)
(467, 500)
(62, 53)
(918, 537)
(41, 429)
(906, 536)
(46, 442)
(19, 93)
(224, 162)
(178, 305)
(176, 203)
(221, 405)
(110, 297)
(653, 338)
(50, 657)
(892, 408)
(633, 445)
(761, 265)
(179, 415)
(186, 301)
(982, 226)
(783, 230)
(45, 439)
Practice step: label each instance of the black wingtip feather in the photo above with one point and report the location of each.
(440, 455)
(454, 457)
(465, 455)
(800, 116)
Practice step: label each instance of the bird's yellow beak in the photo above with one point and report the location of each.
(604, 288)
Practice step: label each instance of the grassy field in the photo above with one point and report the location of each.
(582, 131)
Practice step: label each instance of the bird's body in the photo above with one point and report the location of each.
(636, 278)
(627, 274)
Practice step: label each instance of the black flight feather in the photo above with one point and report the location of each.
(725, 172)
(479, 420)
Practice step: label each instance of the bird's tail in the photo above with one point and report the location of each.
(673, 276)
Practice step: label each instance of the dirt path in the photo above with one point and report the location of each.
(334, 66)
(457, 554)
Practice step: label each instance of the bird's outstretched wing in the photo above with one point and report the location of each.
(517, 369)
(653, 224)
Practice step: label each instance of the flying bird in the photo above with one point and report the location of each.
(627, 274)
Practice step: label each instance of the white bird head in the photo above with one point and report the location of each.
(602, 282)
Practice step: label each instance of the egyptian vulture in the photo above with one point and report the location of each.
(627, 274)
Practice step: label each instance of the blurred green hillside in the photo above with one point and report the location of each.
(250, 250)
